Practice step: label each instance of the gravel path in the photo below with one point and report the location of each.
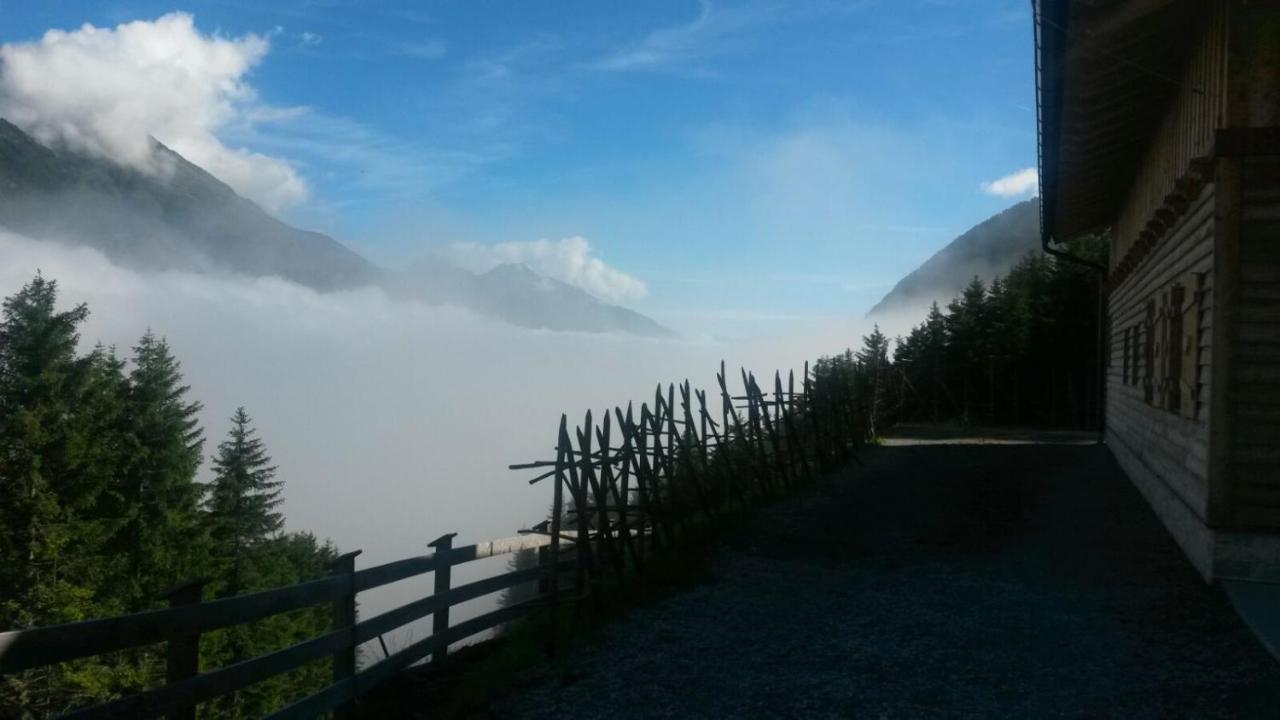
(995, 579)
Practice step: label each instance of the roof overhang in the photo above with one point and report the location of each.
(1105, 73)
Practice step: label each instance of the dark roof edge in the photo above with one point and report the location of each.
(1050, 19)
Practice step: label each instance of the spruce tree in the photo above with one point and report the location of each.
(57, 454)
(160, 538)
(873, 366)
(242, 504)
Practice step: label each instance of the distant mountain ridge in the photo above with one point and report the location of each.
(988, 249)
(190, 220)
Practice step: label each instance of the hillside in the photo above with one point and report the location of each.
(186, 219)
(986, 250)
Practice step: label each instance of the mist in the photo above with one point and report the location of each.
(392, 422)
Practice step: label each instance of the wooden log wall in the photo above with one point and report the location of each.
(1254, 397)
(1185, 134)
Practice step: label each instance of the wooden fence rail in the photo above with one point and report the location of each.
(181, 625)
(626, 488)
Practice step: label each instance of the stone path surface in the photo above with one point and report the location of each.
(1005, 576)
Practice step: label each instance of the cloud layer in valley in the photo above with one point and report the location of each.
(569, 260)
(108, 91)
(1022, 182)
(391, 422)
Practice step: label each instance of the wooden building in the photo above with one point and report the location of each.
(1159, 122)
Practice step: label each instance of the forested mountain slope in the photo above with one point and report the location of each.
(186, 219)
(988, 249)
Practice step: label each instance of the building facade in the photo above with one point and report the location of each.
(1159, 122)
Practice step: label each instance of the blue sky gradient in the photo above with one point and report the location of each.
(754, 164)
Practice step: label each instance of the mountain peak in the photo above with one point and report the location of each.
(190, 220)
(987, 249)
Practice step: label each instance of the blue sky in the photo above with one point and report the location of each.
(752, 164)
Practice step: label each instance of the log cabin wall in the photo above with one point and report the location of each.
(1186, 131)
(1193, 407)
(1161, 302)
(1157, 410)
(1254, 396)
(1161, 121)
(1245, 464)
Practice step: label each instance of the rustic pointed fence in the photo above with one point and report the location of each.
(627, 486)
(631, 483)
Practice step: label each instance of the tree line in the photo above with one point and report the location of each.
(1022, 350)
(102, 510)
(102, 507)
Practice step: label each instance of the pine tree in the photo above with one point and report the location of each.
(242, 504)
(964, 321)
(160, 539)
(57, 454)
(873, 366)
(934, 359)
(250, 552)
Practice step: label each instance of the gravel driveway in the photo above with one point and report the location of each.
(995, 578)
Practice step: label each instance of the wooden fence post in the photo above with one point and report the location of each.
(443, 575)
(182, 653)
(344, 616)
(553, 552)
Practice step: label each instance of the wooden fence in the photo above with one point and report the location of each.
(637, 482)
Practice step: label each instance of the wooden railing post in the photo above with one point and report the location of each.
(440, 618)
(344, 616)
(183, 652)
(553, 551)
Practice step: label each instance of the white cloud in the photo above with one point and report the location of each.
(569, 260)
(392, 422)
(311, 39)
(1022, 182)
(107, 91)
(429, 49)
(663, 45)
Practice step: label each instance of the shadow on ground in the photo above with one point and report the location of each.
(1007, 575)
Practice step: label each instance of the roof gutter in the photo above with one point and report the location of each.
(1046, 234)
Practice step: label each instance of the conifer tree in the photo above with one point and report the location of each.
(242, 503)
(873, 364)
(57, 453)
(160, 537)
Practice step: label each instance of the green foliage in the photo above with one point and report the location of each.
(874, 374)
(241, 508)
(100, 511)
(1022, 351)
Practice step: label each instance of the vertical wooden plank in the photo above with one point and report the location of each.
(757, 434)
(687, 442)
(771, 432)
(182, 652)
(344, 616)
(581, 513)
(1225, 331)
(795, 448)
(731, 436)
(598, 482)
(811, 410)
(644, 481)
(443, 546)
(622, 488)
(552, 569)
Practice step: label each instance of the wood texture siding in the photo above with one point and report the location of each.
(1186, 131)
(1172, 443)
(1254, 398)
